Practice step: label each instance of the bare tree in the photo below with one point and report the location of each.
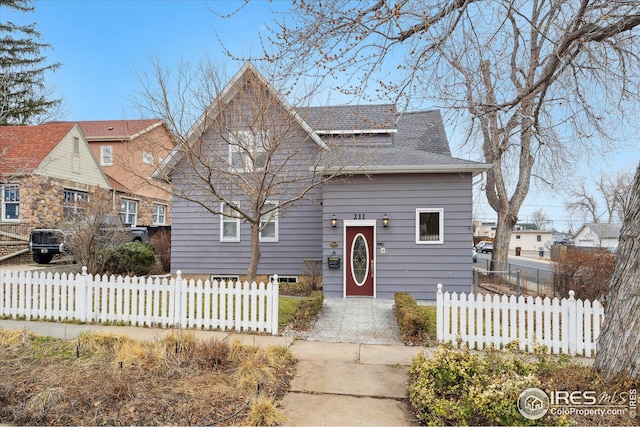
(247, 149)
(584, 204)
(610, 190)
(540, 219)
(534, 78)
(619, 340)
(92, 226)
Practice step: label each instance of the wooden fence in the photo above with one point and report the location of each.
(155, 302)
(567, 326)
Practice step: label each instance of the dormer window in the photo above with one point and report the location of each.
(248, 150)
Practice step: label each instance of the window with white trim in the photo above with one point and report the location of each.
(429, 226)
(226, 278)
(129, 212)
(147, 158)
(284, 279)
(106, 155)
(269, 223)
(10, 202)
(229, 224)
(73, 205)
(248, 150)
(159, 214)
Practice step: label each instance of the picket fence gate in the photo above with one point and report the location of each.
(566, 326)
(167, 302)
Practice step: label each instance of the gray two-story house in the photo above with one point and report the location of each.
(372, 194)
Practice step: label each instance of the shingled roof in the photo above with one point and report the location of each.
(23, 148)
(371, 159)
(419, 130)
(115, 130)
(404, 142)
(350, 117)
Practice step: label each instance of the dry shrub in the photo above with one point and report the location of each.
(214, 354)
(161, 244)
(586, 273)
(299, 289)
(583, 378)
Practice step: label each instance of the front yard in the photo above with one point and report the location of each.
(101, 379)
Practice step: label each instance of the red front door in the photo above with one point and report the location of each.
(360, 256)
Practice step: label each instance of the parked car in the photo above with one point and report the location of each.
(474, 255)
(481, 244)
(45, 243)
(487, 247)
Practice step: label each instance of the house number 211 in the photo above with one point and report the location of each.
(358, 216)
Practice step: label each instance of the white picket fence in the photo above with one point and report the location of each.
(566, 326)
(155, 302)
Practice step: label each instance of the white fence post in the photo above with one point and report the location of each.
(274, 305)
(439, 315)
(81, 292)
(572, 324)
(2, 313)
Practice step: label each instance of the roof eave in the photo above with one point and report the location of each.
(475, 169)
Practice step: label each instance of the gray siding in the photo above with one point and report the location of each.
(196, 246)
(195, 236)
(406, 266)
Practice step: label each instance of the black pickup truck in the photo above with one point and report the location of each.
(44, 243)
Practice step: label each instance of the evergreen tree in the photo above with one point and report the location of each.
(23, 94)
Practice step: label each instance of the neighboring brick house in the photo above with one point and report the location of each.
(128, 152)
(44, 172)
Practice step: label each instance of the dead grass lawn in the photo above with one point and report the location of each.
(100, 379)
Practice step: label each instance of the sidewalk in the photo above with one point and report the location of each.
(347, 384)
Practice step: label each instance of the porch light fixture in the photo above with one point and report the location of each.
(385, 221)
(334, 221)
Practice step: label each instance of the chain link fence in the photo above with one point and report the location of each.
(511, 279)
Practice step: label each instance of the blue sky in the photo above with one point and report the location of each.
(101, 44)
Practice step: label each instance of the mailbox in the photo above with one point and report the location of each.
(333, 261)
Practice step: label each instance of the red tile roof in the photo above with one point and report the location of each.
(107, 130)
(117, 185)
(23, 148)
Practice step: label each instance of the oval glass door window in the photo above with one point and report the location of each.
(359, 259)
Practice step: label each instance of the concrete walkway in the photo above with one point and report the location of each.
(348, 384)
(357, 320)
